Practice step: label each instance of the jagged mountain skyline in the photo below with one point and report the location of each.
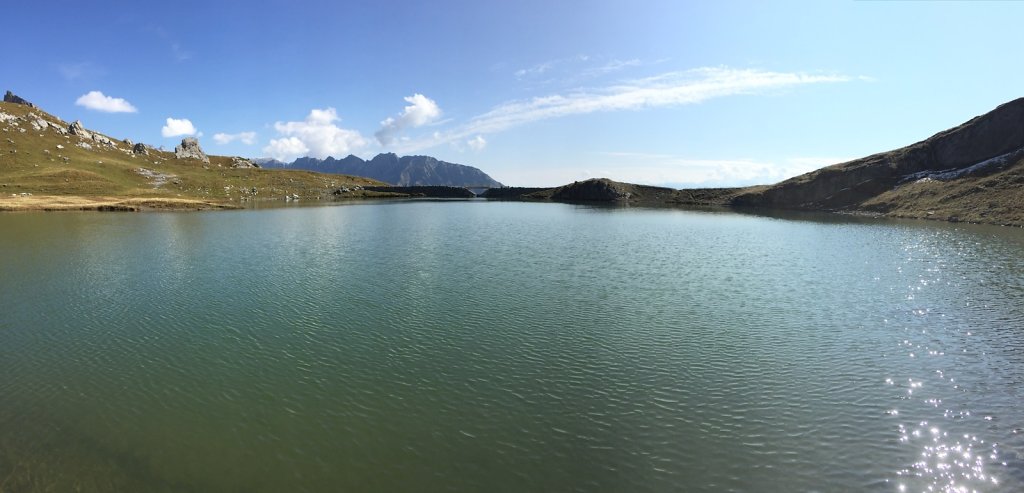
(390, 168)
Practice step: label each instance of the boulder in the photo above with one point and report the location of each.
(237, 162)
(76, 128)
(140, 148)
(102, 139)
(189, 149)
(128, 142)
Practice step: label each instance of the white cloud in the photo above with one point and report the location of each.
(286, 149)
(665, 90)
(96, 100)
(669, 170)
(176, 127)
(421, 111)
(247, 138)
(317, 136)
(477, 143)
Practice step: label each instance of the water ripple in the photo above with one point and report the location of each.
(473, 346)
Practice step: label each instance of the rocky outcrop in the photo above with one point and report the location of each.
(237, 162)
(593, 190)
(10, 97)
(141, 149)
(76, 128)
(967, 149)
(189, 149)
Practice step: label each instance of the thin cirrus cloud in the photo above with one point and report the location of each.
(177, 127)
(665, 169)
(96, 100)
(318, 135)
(665, 90)
(247, 138)
(80, 70)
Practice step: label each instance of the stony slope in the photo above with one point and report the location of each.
(401, 171)
(47, 163)
(972, 172)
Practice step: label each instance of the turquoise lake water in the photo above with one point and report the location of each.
(491, 346)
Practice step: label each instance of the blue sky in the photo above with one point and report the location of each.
(532, 92)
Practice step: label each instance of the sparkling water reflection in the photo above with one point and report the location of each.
(508, 347)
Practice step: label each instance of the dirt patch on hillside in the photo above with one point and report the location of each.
(28, 202)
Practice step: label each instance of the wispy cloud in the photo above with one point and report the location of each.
(572, 71)
(176, 127)
(679, 171)
(611, 67)
(670, 170)
(179, 53)
(548, 65)
(664, 90)
(247, 138)
(96, 100)
(73, 71)
(477, 143)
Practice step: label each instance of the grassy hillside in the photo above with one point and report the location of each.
(40, 168)
(973, 172)
(996, 198)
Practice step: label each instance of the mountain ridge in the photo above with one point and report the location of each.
(973, 172)
(415, 170)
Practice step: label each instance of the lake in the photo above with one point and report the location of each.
(499, 346)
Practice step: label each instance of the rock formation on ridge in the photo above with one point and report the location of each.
(189, 149)
(10, 97)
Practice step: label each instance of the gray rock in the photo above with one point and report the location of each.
(140, 148)
(9, 97)
(76, 128)
(102, 139)
(237, 162)
(128, 142)
(189, 149)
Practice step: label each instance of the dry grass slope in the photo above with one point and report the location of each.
(43, 169)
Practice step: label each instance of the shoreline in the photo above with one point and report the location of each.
(76, 203)
(65, 203)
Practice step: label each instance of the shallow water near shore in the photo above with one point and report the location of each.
(502, 346)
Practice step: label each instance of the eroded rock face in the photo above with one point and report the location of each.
(10, 97)
(189, 149)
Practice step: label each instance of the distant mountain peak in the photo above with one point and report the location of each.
(401, 171)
